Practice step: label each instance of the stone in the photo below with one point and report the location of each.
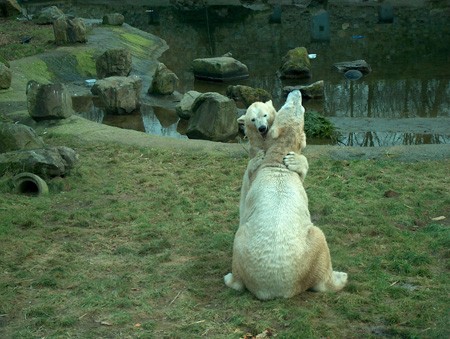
(386, 13)
(359, 65)
(5, 76)
(219, 69)
(118, 94)
(295, 64)
(247, 95)
(114, 62)
(312, 91)
(46, 162)
(69, 30)
(48, 101)
(164, 81)
(48, 15)
(113, 19)
(213, 118)
(184, 107)
(15, 137)
(9, 8)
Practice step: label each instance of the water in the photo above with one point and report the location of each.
(409, 56)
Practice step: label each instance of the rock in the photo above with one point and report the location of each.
(114, 62)
(247, 95)
(219, 69)
(184, 107)
(313, 91)
(114, 19)
(14, 137)
(213, 118)
(48, 101)
(5, 76)
(164, 81)
(69, 30)
(9, 8)
(46, 162)
(296, 64)
(359, 65)
(48, 15)
(117, 94)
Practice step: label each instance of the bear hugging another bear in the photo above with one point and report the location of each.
(277, 251)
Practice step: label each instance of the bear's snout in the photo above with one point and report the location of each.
(262, 129)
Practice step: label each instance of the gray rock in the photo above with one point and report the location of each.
(213, 118)
(359, 65)
(114, 19)
(114, 62)
(14, 137)
(219, 69)
(184, 107)
(313, 91)
(48, 15)
(5, 76)
(248, 95)
(296, 64)
(10, 7)
(118, 95)
(69, 30)
(46, 162)
(164, 81)
(48, 101)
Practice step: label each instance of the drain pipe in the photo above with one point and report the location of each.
(29, 184)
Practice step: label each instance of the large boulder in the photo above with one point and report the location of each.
(312, 91)
(247, 95)
(9, 8)
(113, 19)
(14, 137)
(48, 15)
(118, 95)
(358, 65)
(114, 62)
(213, 118)
(219, 69)
(184, 107)
(5, 76)
(69, 30)
(164, 81)
(47, 162)
(295, 64)
(48, 101)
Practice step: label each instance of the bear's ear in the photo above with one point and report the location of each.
(241, 120)
(270, 104)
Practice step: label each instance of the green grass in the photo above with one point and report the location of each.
(134, 244)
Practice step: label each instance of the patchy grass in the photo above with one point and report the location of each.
(14, 31)
(135, 242)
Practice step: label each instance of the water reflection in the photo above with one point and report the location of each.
(408, 49)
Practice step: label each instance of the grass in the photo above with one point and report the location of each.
(135, 241)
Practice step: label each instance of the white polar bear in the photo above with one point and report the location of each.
(277, 250)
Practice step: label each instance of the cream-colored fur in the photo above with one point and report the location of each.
(277, 251)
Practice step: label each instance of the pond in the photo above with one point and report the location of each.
(404, 100)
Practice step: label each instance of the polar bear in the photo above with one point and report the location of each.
(277, 251)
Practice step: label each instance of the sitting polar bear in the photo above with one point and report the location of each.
(277, 250)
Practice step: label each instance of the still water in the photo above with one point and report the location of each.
(408, 50)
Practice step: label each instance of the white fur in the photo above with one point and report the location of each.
(277, 250)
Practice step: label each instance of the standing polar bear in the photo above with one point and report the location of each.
(277, 250)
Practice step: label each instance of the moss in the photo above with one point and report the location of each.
(85, 62)
(137, 43)
(36, 70)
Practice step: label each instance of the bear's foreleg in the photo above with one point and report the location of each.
(296, 163)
